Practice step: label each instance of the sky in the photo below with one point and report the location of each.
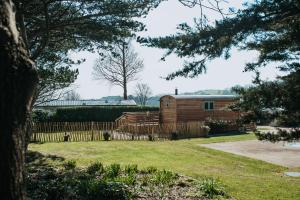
(221, 74)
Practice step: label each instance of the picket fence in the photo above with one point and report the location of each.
(95, 131)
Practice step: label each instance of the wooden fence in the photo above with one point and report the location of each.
(95, 131)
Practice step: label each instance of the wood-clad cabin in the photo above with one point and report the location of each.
(187, 108)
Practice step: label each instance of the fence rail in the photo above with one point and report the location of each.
(95, 131)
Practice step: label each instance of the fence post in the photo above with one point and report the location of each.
(92, 129)
(112, 130)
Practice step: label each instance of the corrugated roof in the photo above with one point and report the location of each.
(61, 103)
(204, 96)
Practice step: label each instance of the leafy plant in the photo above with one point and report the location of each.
(99, 189)
(70, 164)
(221, 126)
(131, 169)
(95, 168)
(130, 179)
(174, 136)
(113, 170)
(211, 188)
(150, 138)
(149, 170)
(163, 177)
(106, 135)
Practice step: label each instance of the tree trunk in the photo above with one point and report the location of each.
(18, 79)
(125, 97)
(124, 71)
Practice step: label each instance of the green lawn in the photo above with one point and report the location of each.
(245, 178)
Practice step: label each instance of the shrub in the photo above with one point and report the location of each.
(70, 164)
(163, 177)
(149, 170)
(281, 135)
(128, 180)
(95, 168)
(221, 126)
(41, 115)
(131, 169)
(211, 188)
(113, 170)
(106, 135)
(150, 138)
(98, 189)
(174, 136)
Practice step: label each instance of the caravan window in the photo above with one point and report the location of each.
(208, 105)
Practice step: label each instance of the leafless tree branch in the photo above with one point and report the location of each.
(118, 66)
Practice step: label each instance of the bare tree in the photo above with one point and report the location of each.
(118, 66)
(72, 96)
(143, 93)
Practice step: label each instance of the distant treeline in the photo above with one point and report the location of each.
(87, 114)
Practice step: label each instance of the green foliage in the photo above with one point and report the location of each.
(281, 135)
(211, 188)
(270, 100)
(221, 126)
(70, 165)
(271, 27)
(46, 181)
(131, 169)
(106, 136)
(100, 114)
(163, 177)
(174, 136)
(98, 189)
(128, 179)
(53, 29)
(41, 115)
(149, 170)
(94, 168)
(113, 170)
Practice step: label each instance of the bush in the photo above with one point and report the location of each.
(163, 177)
(281, 135)
(98, 189)
(106, 135)
(211, 188)
(288, 120)
(41, 115)
(70, 164)
(131, 169)
(150, 138)
(113, 170)
(174, 136)
(95, 168)
(86, 114)
(149, 170)
(222, 126)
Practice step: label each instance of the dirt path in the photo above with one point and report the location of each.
(278, 153)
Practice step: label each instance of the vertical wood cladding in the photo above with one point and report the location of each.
(168, 109)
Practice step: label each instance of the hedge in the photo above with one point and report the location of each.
(222, 126)
(86, 114)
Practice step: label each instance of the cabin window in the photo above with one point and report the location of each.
(208, 105)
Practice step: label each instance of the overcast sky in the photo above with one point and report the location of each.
(162, 21)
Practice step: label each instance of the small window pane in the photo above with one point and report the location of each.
(206, 106)
(211, 105)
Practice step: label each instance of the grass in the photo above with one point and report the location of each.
(243, 177)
